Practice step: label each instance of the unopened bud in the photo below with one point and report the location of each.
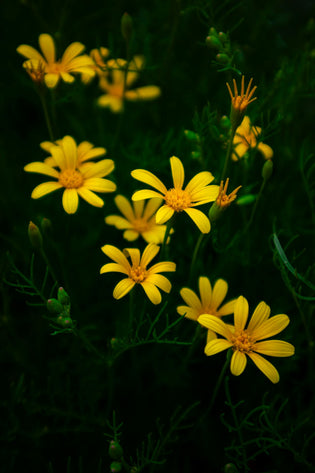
(222, 58)
(65, 321)
(35, 236)
(246, 199)
(191, 135)
(54, 306)
(196, 154)
(115, 467)
(212, 31)
(63, 297)
(225, 122)
(46, 225)
(115, 450)
(222, 36)
(230, 468)
(126, 27)
(213, 42)
(267, 170)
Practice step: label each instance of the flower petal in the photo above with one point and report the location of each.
(160, 281)
(150, 251)
(199, 181)
(163, 267)
(145, 194)
(47, 46)
(131, 235)
(58, 156)
(45, 188)
(66, 77)
(70, 151)
(200, 219)
(70, 200)
(98, 184)
(148, 92)
(30, 53)
(73, 50)
(149, 178)
(163, 214)
(178, 172)
(152, 292)
(265, 367)
(100, 169)
(191, 298)
(227, 308)
(151, 207)
(271, 327)
(116, 255)
(114, 103)
(220, 289)
(119, 222)
(275, 348)
(215, 346)
(51, 80)
(90, 197)
(134, 255)
(138, 208)
(134, 67)
(214, 323)
(41, 168)
(123, 287)
(205, 291)
(113, 268)
(240, 313)
(207, 194)
(238, 363)
(261, 313)
(265, 150)
(188, 312)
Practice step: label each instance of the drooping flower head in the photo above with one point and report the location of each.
(119, 77)
(209, 301)
(71, 62)
(240, 102)
(223, 201)
(245, 138)
(250, 341)
(138, 219)
(76, 178)
(137, 272)
(177, 199)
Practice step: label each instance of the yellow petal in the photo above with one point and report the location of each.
(131, 235)
(216, 345)
(239, 151)
(265, 367)
(58, 156)
(66, 77)
(148, 92)
(41, 168)
(148, 178)
(205, 291)
(188, 312)
(178, 173)
(163, 214)
(114, 103)
(113, 268)
(45, 188)
(201, 180)
(265, 150)
(134, 255)
(219, 293)
(191, 298)
(261, 313)
(150, 251)
(271, 327)
(245, 126)
(214, 323)
(163, 267)
(205, 195)
(116, 255)
(119, 222)
(275, 348)
(47, 46)
(151, 207)
(73, 50)
(240, 313)
(81, 64)
(70, 151)
(30, 53)
(200, 219)
(90, 197)
(160, 281)
(152, 292)
(70, 200)
(145, 194)
(135, 66)
(227, 308)
(125, 207)
(51, 80)
(99, 185)
(138, 208)
(238, 363)
(211, 336)
(123, 287)
(155, 235)
(100, 169)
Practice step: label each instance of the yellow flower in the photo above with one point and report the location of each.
(223, 201)
(139, 220)
(99, 67)
(177, 199)
(137, 272)
(208, 302)
(116, 83)
(71, 61)
(239, 103)
(76, 179)
(249, 341)
(85, 151)
(245, 138)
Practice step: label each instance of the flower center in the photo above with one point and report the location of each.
(242, 341)
(55, 68)
(71, 179)
(117, 90)
(141, 225)
(138, 274)
(177, 199)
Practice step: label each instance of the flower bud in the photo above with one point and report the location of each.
(230, 468)
(222, 58)
(54, 306)
(115, 467)
(35, 236)
(63, 297)
(246, 199)
(196, 154)
(192, 136)
(222, 36)
(126, 27)
(213, 42)
(115, 450)
(65, 321)
(213, 31)
(225, 122)
(46, 225)
(267, 170)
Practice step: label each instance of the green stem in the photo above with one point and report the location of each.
(166, 235)
(227, 156)
(44, 256)
(195, 254)
(255, 205)
(47, 118)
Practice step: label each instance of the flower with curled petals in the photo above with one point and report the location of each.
(240, 101)
(138, 219)
(137, 272)
(208, 303)
(77, 179)
(72, 61)
(177, 199)
(245, 138)
(250, 341)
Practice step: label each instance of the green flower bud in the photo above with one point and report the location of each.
(54, 306)
(64, 321)
(222, 36)
(192, 136)
(213, 31)
(196, 154)
(46, 225)
(115, 467)
(225, 122)
(63, 297)
(115, 450)
(222, 58)
(35, 236)
(213, 42)
(230, 468)
(246, 199)
(126, 25)
(267, 170)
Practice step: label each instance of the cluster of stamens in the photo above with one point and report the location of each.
(242, 341)
(224, 200)
(138, 274)
(71, 179)
(177, 199)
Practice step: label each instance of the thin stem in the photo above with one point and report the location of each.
(44, 256)
(47, 118)
(227, 156)
(195, 254)
(255, 206)
(166, 235)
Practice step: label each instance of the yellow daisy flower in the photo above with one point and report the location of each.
(245, 138)
(249, 341)
(139, 220)
(137, 272)
(71, 62)
(76, 179)
(99, 66)
(208, 302)
(116, 84)
(85, 151)
(177, 199)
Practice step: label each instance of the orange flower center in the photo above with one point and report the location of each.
(242, 341)
(177, 199)
(55, 68)
(117, 90)
(141, 225)
(71, 179)
(138, 274)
